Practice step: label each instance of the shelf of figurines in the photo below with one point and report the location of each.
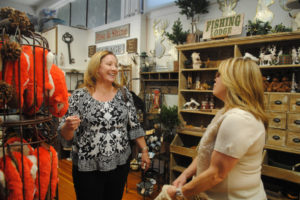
(189, 68)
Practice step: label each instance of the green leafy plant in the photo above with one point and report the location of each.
(258, 28)
(169, 119)
(281, 28)
(178, 36)
(190, 8)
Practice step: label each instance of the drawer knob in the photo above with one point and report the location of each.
(277, 102)
(298, 103)
(296, 140)
(297, 122)
(276, 137)
(277, 120)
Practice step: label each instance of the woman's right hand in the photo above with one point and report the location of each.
(72, 122)
(180, 181)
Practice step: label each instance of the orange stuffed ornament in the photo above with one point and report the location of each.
(41, 73)
(48, 164)
(11, 76)
(59, 100)
(13, 176)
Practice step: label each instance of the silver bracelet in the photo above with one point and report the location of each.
(178, 194)
(145, 148)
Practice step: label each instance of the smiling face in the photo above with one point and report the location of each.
(108, 69)
(219, 88)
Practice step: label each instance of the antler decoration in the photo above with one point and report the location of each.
(227, 7)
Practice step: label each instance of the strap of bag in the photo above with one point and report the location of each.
(124, 94)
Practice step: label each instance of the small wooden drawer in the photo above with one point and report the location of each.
(276, 137)
(293, 139)
(185, 145)
(279, 102)
(293, 123)
(266, 101)
(295, 103)
(277, 120)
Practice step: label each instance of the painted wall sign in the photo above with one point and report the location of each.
(113, 33)
(225, 26)
(116, 49)
(91, 50)
(131, 45)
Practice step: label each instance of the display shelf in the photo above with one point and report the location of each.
(283, 107)
(284, 148)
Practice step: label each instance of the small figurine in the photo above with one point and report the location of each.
(192, 104)
(293, 84)
(197, 87)
(249, 55)
(189, 82)
(278, 56)
(294, 56)
(196, 60)
(285, 85)
(274, 85)
(266, 83)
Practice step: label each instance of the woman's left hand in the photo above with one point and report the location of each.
(172, 192)
(145, 160)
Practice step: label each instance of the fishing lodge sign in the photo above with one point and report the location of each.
(223, 27)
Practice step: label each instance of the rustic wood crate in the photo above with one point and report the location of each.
(277, 119)
(295, 103)
(293, 122)
(293, 139)
(276, 137)
(279, 102)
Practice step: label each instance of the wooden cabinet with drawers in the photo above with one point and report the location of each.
(283, 108)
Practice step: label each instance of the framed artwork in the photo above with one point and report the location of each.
(125, 76)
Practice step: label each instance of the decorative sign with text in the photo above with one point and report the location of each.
(113, 33)
(131, 45)
(116, 49)
(223, 27)
(91, 50)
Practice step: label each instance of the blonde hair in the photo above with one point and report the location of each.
(91, 74)
(243, 80)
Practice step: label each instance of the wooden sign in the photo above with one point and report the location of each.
(116, 49)
(131, 45)
(113, 33)
(223, 27)
(92, 50)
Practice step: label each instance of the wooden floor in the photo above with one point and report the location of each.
(66, 189)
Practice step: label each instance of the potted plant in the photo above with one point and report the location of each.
(178, 36)
(169, 120)
(190, 8)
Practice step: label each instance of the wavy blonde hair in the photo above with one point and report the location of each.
(91, 74)
(243, 80)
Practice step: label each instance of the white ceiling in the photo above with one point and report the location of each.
(34, 4)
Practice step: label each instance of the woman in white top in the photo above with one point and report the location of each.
(228, 165)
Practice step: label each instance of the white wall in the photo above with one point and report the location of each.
(137, 30)
(171, 13)
(79, 47)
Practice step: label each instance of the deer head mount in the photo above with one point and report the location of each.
(159, 27)
(227, 6)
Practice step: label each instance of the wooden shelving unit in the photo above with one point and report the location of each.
(166, 81)
(283, 134)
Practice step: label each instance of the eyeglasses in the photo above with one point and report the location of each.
(217, 75)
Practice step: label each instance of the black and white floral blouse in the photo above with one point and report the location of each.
(101, 141)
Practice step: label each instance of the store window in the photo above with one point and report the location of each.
(96, 14)
(63, 13)
(113, 10)
(78, 13)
